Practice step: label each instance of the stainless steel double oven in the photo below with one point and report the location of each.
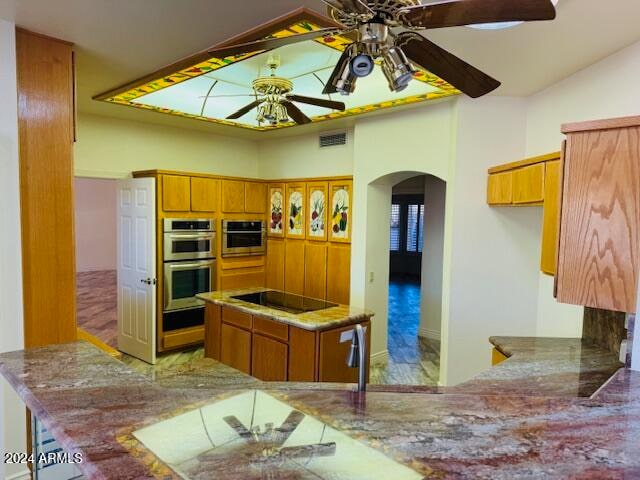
(189, 269)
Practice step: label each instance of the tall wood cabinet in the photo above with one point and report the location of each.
(46, 123)
(599, 246)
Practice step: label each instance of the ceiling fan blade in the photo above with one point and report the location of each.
(453, 13)
(244, 110)
(445, 65)
(319, 102)
(295, 113)
(351, 7)
(345, 57)
(269, 43)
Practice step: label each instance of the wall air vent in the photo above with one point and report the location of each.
(333, 139)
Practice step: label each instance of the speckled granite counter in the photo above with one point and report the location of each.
(545, 366)
(228, 426)
(333, 317)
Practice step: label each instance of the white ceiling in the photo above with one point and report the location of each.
(120, 40)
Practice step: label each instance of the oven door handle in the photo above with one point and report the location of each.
(189, 266)
(192, 235)
(244, 231)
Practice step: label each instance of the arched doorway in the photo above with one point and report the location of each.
(406, 332)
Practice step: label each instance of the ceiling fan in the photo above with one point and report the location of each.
(374, 21)
(274, 99)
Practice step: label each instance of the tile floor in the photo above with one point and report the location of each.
(412, 359)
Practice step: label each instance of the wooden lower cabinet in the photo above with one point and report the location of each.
(274, 351)
(333, 356)
(235, 347)
(269, 359)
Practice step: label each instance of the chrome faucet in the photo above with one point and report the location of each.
(357, 353)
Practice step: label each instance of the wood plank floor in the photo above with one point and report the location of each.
(412, 360)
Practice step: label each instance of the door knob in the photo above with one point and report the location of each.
(148, 281)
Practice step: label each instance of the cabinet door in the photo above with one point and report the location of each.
(176, 193)
(242, 278)
(232, 196)
(269, 359)
(600, 220)
(333, 356)
(340, 211)
(204, 194)
(235, 348)
(315, 270)
(528, 184)
(294, 216)
(275, 264)
(551, 217)
(500, 188)
(302, 355)
(255, 197)
(338, 273)
(294, 266)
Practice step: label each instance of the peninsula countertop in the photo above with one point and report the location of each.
(195, 424)
(332, 317)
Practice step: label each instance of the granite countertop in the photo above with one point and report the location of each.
(338, 316)
(215, 422)
(545, 366)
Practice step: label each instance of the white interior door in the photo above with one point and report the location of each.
(137, 268)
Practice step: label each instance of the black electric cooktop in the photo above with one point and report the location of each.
(287, 302)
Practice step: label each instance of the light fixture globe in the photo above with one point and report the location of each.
(361, 65)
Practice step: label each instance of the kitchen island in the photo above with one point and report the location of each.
(219, 423)
(277, 336)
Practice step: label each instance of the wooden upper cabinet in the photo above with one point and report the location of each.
(315, 270)
(204, 194)
(275, 264)
(551, 217)
(255, 197)
(500, 188)
(294, 266)
(600, 215)
(233, 196)
(528, 184)
(176, 193)
(338, 273)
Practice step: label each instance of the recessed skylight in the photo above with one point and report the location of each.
(212, 89)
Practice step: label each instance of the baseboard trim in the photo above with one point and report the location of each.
(24, 475)
(379, 357)
(429, 333)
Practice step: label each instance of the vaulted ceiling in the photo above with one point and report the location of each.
(118, 41)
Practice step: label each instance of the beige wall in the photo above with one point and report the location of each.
(95, 224)
(112, 148)
(435, 194)
(606, 89)
(12, 412)
(301, 156)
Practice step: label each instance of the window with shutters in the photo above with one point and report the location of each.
(407, 224)
(395, 228)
